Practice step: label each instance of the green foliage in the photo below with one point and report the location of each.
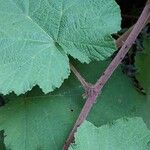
(142, 63)
(126, 133)
(35, 120)
(2, 145)
(36, 37)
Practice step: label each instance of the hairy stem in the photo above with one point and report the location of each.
(94, 91)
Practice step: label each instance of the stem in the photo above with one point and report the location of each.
(79, 77)
(94, 91)
(126, 46)
(120, 41)
(84, 112)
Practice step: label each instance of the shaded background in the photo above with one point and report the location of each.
(130, 9)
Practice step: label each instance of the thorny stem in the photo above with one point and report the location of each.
(96, 89)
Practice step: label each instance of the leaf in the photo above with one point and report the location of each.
(131, 134)
(142, 62)
(118, 98)
(37, 123)
(36, 37)
(2, 145)
(35, 120)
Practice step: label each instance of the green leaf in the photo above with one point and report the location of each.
(118, 98)
(129, 133)
(35, 120)
(2, 145)
(36, 37)
(142, 62)
(37, 123)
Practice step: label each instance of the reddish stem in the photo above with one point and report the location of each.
(79, 77)
(120, 41)
(125, 48)
(84, 112)
(94, 91)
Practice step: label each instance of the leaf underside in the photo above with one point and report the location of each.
(38, 121)
(127, 133)
(36, 37)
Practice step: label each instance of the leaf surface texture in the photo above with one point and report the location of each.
(37, 36)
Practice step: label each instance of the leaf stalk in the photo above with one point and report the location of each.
(94, 90)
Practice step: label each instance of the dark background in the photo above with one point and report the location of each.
(130, 10)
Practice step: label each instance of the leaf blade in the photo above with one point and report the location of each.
(130, 131)
(30, 31)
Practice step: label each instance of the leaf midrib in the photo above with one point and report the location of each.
(62, 10)
(29, 18)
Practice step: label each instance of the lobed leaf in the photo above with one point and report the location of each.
(125, 133)
(37, 36)
(38, 121)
